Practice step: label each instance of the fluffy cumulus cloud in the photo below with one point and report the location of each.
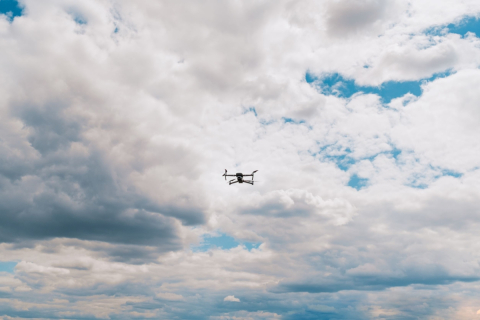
(118, 118)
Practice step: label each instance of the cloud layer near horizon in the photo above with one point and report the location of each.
(117, 119)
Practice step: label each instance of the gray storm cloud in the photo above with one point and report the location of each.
(58, 175)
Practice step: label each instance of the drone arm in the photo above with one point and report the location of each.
(228, 175)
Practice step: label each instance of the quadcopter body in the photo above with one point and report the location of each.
(239, 177)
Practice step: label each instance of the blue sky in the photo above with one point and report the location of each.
(357, 182)
(223, 242)
(7, 266)
(467, 24)
(335, 84)
(11, 8)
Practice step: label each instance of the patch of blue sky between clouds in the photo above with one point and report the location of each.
(11, 8)
(420, 182)
(78, 18)
(223, 242)
(7, 266)
(462, 27)
(250, 109)
(469, 24)
(292, 121)
(332, 153)
(337, 85)
(357, 182)
(343, 162)
(342, 157)
(451, 173)
(417, 184)
(445, 173)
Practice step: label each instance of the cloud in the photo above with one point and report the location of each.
(410, 63)
(322, 308)
(169, 296)
(248, 315)
(298, 203)
(117, 120)
(58, 178)
(231, 298)
(351, 16)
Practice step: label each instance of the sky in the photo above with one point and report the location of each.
(118, 119)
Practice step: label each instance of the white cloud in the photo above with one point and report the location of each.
(231, 298)
(351, 17)
(114, 135)
(169, 296)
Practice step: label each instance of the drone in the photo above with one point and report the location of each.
(239, 177)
